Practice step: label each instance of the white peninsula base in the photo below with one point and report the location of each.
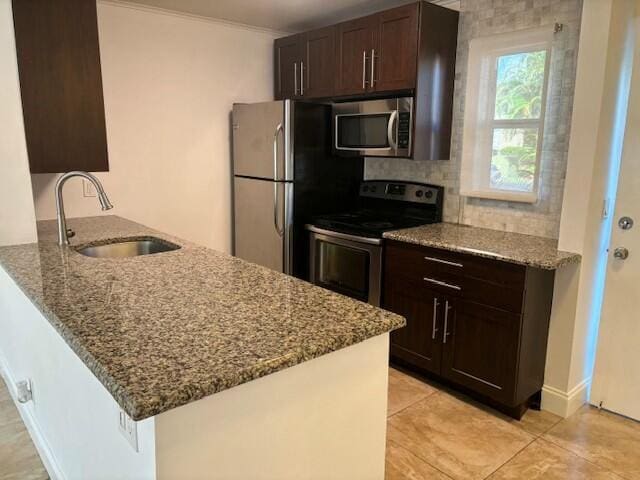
(323, 419)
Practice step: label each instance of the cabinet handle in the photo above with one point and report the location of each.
(301, 79)
(295, 78)
(373, 63)
(364, 69)
(442, 284)
(446, 321)
(445, 262)
(435, 314)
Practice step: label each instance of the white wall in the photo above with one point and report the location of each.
(600, 104)
(169, 84)
(17, 217)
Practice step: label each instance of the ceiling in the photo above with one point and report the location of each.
(281, 15)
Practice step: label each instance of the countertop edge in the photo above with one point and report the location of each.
(571, 258)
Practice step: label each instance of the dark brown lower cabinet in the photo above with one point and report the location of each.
(417, 343)
(479, 324)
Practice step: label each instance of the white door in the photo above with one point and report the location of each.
(616, 380)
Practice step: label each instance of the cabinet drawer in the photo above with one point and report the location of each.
(490, 282)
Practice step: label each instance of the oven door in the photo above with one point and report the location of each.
(373, 128)
(346, 264)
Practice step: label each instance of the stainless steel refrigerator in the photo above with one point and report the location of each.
(284, 173)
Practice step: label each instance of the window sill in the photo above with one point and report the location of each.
(519, 197)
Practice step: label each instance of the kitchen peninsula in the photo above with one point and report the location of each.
(211, 365)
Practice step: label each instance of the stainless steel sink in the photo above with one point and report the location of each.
(128, 248)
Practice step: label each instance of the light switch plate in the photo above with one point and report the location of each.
(88, 190)
(129, 429)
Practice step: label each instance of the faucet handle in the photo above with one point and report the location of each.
(70, 233)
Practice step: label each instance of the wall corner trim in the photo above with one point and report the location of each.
(564, 403)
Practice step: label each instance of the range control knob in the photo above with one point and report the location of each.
(373, 189)
(365, 188)
(429, 194)
(419, 193)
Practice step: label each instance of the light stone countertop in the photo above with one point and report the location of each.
(529, 250)
(163, 330)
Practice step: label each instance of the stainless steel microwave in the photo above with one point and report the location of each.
(374, 128)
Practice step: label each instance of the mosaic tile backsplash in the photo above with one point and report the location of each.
(487, 17)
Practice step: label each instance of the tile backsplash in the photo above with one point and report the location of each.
(488, 17)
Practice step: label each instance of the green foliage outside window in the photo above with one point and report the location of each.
(519, 91)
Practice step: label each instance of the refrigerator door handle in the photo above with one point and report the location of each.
(276, 197)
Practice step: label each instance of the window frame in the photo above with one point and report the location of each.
(480, 122)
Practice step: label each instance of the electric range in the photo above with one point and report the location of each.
(346, 248)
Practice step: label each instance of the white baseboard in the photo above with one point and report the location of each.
(565, 403)
(40, 442)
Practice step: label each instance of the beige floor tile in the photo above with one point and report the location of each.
(4, 393)
(401, 464)
(537, 422)
(405, 390)
(458, 439)
(608, 440)
(543, 460)
(18, 457)
(8, 412)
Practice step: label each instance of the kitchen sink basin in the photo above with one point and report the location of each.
(128, 248)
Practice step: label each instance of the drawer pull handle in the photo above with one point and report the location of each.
(442, 284)
(445, 262)
(435, 314)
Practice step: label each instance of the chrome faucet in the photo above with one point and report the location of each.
(63, 233)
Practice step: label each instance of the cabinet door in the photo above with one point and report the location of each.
(318, 66)
(355, 42)
(481, 348)
(420, 342)
(58, 59)
(287, 57)
(396, 52)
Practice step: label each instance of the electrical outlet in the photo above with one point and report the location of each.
(129, 429)
(88, 190)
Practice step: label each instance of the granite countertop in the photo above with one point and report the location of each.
(160, 331)
(510, 247)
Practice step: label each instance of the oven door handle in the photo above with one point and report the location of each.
(344, 236)
(391, 131)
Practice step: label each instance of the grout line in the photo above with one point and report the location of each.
(561, 447)
(424, 460)
(513, 456)
(413, 403)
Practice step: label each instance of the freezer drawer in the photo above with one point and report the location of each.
(262, 222)
(262, 140)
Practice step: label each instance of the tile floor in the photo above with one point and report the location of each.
(435, 434)
(18, 457)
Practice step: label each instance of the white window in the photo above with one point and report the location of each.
(504, 115)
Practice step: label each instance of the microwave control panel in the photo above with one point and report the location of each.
(404, 129)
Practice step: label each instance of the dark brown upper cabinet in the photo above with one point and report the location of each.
(394, 56)
(355, 44)
(396, 50)
(305, 65)
(378, 53)
(61, 85)
(288, 57)
(318, 63)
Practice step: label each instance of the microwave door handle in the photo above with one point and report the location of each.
(391, 133)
